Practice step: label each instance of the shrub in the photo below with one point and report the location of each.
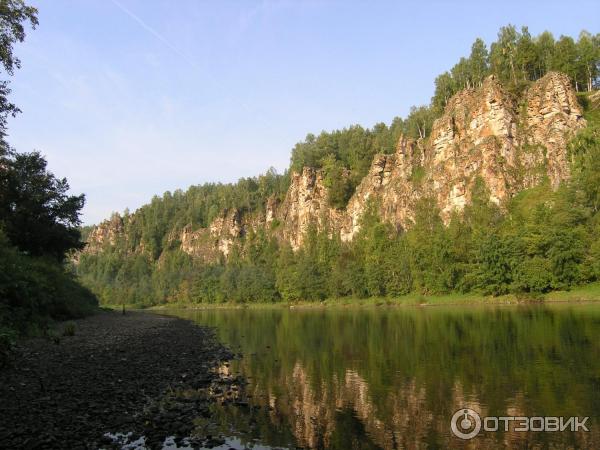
(8, 340)
(35, 290)
(69, 329)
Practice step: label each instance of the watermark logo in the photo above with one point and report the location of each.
(467, 423)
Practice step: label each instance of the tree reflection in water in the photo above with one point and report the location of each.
(393, 377)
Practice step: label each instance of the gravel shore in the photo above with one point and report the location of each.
(139, 373)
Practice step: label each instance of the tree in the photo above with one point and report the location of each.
(585, 150)
(339, 187)
(461, 74)
(444, 89)
(37, 217)
(37, 214)
(14, 14)
(503, 54)
(288, 281)
(588, 50)
(478, 62)
(419, 122)
(526, 56)
(565, 58)
(545, 49)
(431, 251)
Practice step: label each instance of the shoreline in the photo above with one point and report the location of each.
(118, 379)
(582, 294)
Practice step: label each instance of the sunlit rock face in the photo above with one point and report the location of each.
(391, 186)
(509, 142)
(105, 234)
(476, 137)
(218, 238)
(306, 204)
(198, 243)
(226, 228)
(552, 115)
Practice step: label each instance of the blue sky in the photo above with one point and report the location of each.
(130, 98)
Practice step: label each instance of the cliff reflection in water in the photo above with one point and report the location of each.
(392, 378)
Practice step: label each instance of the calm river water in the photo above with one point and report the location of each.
(360, 378)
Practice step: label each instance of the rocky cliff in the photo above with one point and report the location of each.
(510, 142)
(105, 234)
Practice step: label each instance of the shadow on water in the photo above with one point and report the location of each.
(360, 378)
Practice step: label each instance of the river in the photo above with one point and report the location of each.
(370, 378)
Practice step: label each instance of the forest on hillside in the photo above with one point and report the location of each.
(39, 219)
(543, 240)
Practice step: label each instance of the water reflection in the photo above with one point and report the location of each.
(393, 378)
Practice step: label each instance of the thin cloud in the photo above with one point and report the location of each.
(186, 58)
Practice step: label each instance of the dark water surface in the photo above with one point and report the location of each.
(360, 378)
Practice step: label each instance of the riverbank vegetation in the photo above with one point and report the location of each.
(584, 294)
(544, 240)
(39, 219)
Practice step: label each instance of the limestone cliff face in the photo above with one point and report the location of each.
(306, 204)
(389, 186)
(104, 234)
(225, 231)
(553, 114)
(487, 133)
(218, 238)
(484, 133)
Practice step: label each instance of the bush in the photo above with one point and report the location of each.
(35, 290)
(8, 340)
(69, 329)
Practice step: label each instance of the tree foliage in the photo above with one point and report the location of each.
(14, 16)
(36, 211)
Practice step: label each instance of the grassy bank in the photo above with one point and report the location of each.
(586, 293)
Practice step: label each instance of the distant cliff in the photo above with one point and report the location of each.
(510, 142)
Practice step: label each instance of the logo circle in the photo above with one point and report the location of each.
(465, 423)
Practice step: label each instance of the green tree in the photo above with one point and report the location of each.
(444, 89)
(588, 50)
(339, 187)
(14, 16)
(478, 62)
(288, 276)
(545, 47)
(503, 54)
(526, 58)
(37, 213)
(565, 58)
(419, 122)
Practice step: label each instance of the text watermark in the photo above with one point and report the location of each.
(467, 423)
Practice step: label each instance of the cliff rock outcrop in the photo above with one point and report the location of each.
(306, 203)
(483, 133)
(487, 133)
(104, 234)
